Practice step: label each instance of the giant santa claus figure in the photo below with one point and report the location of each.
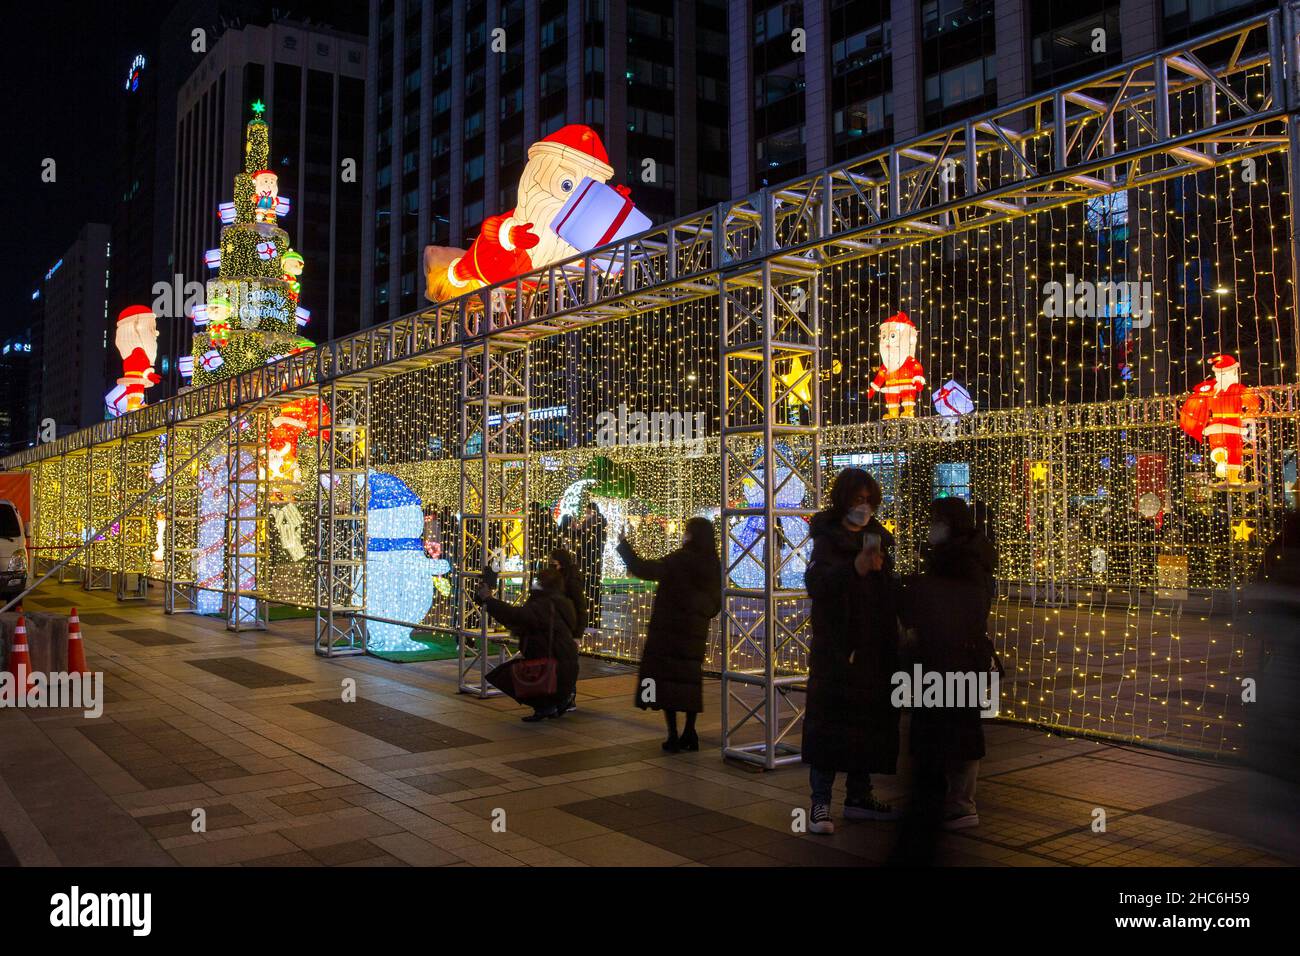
(900, 377)
(137, 343)
(521, 239)
(1216, 413)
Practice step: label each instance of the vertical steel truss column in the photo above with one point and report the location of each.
(134, 542)
(771, 415)
(493, 496)
(342, 495)
(181, 543)
(247, 560)
(102, 502)
(1048, 498)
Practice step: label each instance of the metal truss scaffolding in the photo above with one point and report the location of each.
(493, 497)
(134, 540)
(182, 516)
(246, 555)
(342, 495)
(771, 414)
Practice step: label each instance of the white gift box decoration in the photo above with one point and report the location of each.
(953, 400)
(595, 215)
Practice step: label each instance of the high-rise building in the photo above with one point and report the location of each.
(17, 404)
(726, 96)
(77, 333)
(310, 83)
(459, 91)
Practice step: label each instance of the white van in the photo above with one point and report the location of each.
(14, 569)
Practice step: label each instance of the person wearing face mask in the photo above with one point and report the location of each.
(689, 596)
(544, 625)
(850, 726)
(948, 608)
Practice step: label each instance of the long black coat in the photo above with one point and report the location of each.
(948, 606)
(850, 723)
(688, 597)
(545, 625)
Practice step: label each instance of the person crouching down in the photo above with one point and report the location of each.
(850, 724)
(689, 595)
(544, 625)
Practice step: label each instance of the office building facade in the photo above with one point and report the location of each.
(77, 334)
(310, 82)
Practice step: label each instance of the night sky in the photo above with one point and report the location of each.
(67, 63)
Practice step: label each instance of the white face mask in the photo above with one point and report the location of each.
(938, 534)
(860, 514)
(537, 584)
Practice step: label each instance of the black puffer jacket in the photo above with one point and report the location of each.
(688, 597)
(545, 625)
(850, 723)
(948, 607)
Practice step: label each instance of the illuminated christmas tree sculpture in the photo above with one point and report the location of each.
(252, 315)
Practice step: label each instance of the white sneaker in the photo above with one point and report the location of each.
(819, 820)
(962, 821)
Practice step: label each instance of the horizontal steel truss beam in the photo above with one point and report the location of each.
(1153, 118)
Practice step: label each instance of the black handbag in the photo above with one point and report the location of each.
(537, 676)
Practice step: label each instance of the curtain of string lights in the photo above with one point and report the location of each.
(1114, 615)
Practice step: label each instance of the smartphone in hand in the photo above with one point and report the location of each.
(490, 577)
(871, 542)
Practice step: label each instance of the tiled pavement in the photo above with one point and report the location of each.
(252, 730)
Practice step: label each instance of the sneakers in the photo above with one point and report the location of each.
(819, 821)
(868, 808)
(961, 821)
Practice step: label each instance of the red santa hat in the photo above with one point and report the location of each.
(131, 311)
(265, 172)
(901, 318)
(577, 143)
(1223, 363)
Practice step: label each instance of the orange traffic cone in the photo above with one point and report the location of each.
(76, 650)
(20, 657)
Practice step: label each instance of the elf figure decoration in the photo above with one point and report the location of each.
(1217, 413)
(523, 239)
(900, 377)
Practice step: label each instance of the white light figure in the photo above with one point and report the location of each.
(288, 523)
(208, 562)
(399, 575)
(792, 530)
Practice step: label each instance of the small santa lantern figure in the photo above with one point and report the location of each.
(521, 240)
(137, 343)
(266, 189)
(1216, 413)
(306, 416)
(900, 377)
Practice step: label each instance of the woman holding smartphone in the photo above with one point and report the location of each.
(850, 725)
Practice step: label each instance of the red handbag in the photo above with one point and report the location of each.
(537, 676)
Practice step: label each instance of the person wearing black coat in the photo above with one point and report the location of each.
(850, 724)
(947, 606)
(562, 560)
(671, 676)
(589, 546)
(545, 625)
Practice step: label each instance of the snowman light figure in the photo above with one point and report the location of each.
(399, 575)
(792, 530)
(900, 377)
